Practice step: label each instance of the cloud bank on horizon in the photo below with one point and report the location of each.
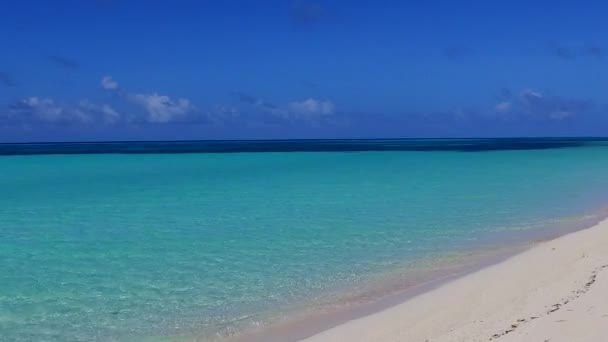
(303, 69)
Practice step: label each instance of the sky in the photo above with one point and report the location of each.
(100, 70)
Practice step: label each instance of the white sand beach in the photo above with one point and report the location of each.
(555, 291)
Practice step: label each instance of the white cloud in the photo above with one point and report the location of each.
(532, 94)
(108, 83)
(47, 110)
(104, 112)
(312, 107)
(552, 107)
(503, 107)
(157, 108)
(160, 108)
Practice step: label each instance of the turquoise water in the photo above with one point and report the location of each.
(108, 247)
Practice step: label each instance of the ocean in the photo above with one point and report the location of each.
(153, 241)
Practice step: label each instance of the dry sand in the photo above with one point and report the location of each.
(555, 291)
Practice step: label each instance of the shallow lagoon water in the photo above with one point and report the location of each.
(126, 247)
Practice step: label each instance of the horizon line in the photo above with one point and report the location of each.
(304, 139)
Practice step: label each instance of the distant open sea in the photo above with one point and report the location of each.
(162, 241)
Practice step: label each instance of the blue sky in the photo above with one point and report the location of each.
(168, 70)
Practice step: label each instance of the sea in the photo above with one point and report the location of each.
(204, 240)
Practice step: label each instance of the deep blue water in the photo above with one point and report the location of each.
(323, 145)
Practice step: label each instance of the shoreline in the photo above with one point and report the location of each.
(300, 325)
(551, 291)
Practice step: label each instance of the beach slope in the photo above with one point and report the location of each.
(554, 291)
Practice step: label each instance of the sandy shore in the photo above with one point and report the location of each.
(555, 291)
